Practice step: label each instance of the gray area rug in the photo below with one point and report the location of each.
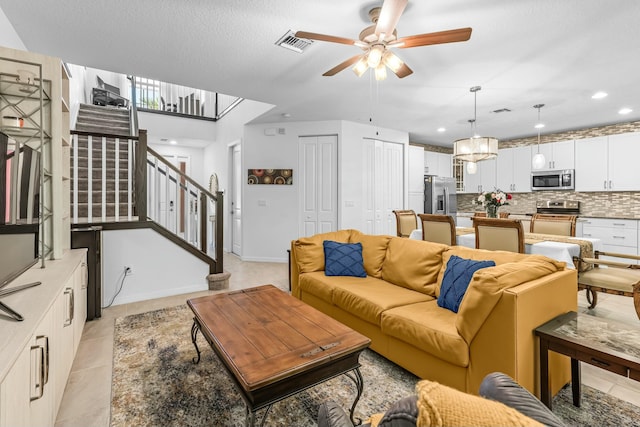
(155, 383)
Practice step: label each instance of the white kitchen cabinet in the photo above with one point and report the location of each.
(513, 172)
(624, 152)
(483, 180)
(439, 164)
(608, 163)
(464, 221)
(558, 155)
(416, 169)
(617, 235)
(591, 164)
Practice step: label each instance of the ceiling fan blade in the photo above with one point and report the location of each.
(324, 38)
(449, 36)
(389, 16)
(342, 65)
(404, 71)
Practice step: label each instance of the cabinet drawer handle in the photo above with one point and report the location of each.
(618, 223)
(39, 385)
(69, 317)
(618, 237)
(46, 356)
(586, 234)
(599, 362)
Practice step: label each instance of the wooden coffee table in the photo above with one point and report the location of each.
(607, 344)
(274, 345)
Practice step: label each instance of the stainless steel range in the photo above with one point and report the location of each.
(564, 207)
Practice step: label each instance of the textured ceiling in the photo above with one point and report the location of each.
(521, 52)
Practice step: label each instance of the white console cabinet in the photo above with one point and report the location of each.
(37, 353)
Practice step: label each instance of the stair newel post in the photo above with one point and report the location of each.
(203, 222)
(141, 175)
(219, 230)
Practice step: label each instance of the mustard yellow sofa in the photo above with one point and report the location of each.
(395, 305)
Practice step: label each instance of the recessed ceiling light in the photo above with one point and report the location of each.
(441, 129)
(625, 111)
(173, 142)
(599, 95)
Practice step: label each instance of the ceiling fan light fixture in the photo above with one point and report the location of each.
(392, 61)
(361, 66)
(375, 56)
(381, 72)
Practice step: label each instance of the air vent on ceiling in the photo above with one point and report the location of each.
(502, 110)
(291, 42)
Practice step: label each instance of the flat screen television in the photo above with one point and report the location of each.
(19, 208)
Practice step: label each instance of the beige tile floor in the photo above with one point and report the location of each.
(86, 401)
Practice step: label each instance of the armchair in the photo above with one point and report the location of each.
(611, 277)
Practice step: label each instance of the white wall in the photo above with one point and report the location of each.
(195, 156)
(270, 212)
(8, 35)
(160, 268)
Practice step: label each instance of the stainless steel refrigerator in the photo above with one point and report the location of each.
(440, 195)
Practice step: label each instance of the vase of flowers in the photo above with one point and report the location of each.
(492, 200)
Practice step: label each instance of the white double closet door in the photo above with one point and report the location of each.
(383, 185)
(318, 165)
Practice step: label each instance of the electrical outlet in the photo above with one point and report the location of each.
(128, 270)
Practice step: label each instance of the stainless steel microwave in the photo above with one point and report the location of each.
(553, 180)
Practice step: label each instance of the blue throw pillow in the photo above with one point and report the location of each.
(456, 280)
(343, 259)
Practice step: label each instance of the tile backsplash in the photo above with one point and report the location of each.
(600, 204)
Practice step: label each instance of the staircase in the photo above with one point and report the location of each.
(105, 121)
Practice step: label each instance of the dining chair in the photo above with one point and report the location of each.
(438, 228)
(502, 215)
(611, 277)
(560, 225)
(406, 222)
(499, 234)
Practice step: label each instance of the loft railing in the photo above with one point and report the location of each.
(160, 97)
(118, 179)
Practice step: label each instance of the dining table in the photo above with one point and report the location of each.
(560, 248)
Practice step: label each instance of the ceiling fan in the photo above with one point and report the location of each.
(378, 39)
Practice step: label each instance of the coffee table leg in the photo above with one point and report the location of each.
(357, 379)
(575, 381)
(194, 333)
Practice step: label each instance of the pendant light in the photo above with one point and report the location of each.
(538, 161)
(477, 147)
(472, 167)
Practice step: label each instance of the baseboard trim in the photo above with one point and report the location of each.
(159, 294)
(259, 259)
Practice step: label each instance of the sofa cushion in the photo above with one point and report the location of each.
(368, 298)
(374, 251)
(499, 257)
(322, 286)
(487, 285)
(455, 281)
(429, 328)
(343, 259)
(413, 264)
(310, 252)
(439, 405)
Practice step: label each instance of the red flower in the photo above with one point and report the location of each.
(508, 196)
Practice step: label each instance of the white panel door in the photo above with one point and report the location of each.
(378, 188)
(318, 165)
(393, 178)
(236, 201)
(368, 186)
(327, 185)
